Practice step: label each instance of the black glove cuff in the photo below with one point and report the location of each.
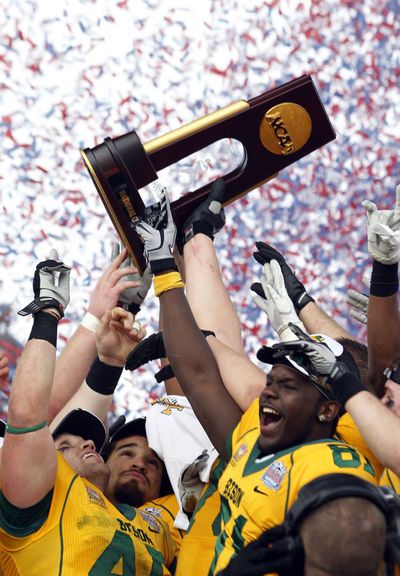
(345, 386)
(303, 299)
(162, 266)
(197, 227)
(44, 328)
(103, 378)
(384, 279)
(40, 304)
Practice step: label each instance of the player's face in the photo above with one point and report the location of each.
(136, 472)
(289, 408)
(391, 398)
(81, 455)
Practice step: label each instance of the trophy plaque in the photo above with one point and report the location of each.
(276, 129)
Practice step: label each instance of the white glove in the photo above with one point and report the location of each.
(359, 303)
(277, 304)
(189, 484)
(132, 298)
(384, 231)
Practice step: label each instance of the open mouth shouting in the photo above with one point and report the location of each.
(270, 419)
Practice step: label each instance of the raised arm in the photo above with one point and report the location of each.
(205, 290)
(29, 458)
(119, 282)
(190, 356)
(383, 308)
(313, 317)
(117, 335)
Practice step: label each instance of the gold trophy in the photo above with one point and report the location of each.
(276, 129)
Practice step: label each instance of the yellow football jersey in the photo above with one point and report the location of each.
(84, 534)
(390, 480)
(198, 544)
(166, 508)
(257, 490)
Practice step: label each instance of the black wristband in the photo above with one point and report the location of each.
(162, 266)
(44, 328)
(384, 279)
(346, 386)
(103, 378)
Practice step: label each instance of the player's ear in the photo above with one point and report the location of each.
(328, 411)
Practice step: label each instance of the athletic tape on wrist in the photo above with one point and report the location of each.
(166, 282)
(15, 430)
(90, 322)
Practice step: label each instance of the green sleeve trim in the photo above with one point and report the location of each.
(21, 522)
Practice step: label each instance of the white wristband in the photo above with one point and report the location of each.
(90, 322)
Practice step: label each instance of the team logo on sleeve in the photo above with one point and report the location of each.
(274, 475)
(240, 452)
(95, 497)
(170, 403)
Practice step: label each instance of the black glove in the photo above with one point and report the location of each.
(50, 286)
(151, 348)
(273, 551)
(294, 287)
(208, 218)
(318, 360)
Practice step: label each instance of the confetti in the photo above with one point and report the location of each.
(73, 72)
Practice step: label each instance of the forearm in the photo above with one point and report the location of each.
(196, 369)
(87, 399)
(243, 380)
(207, 295)
(28, 455)
(72, 367)
(383, 322)
(383, 337)
(317, 321)
(379, 427)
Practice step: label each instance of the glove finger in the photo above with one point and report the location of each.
(217, 191)
(369, 206)
(115, 249)
(261, 259)
(357, 299)
(359, 315)
(258, 289)
(266, 278)
(260, 302)
(277, 276)
(268, 251)
(53, 254)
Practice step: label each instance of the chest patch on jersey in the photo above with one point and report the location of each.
(240, 452)
(274, 475)
(95, 497)
(151, 521)
(152, 510)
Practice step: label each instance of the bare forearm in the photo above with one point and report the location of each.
(317, 321)
(196, 369)
(243, 379)
(32, 384)
(379, 427)
(72, 367)
(383, 337)
(207, 295)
